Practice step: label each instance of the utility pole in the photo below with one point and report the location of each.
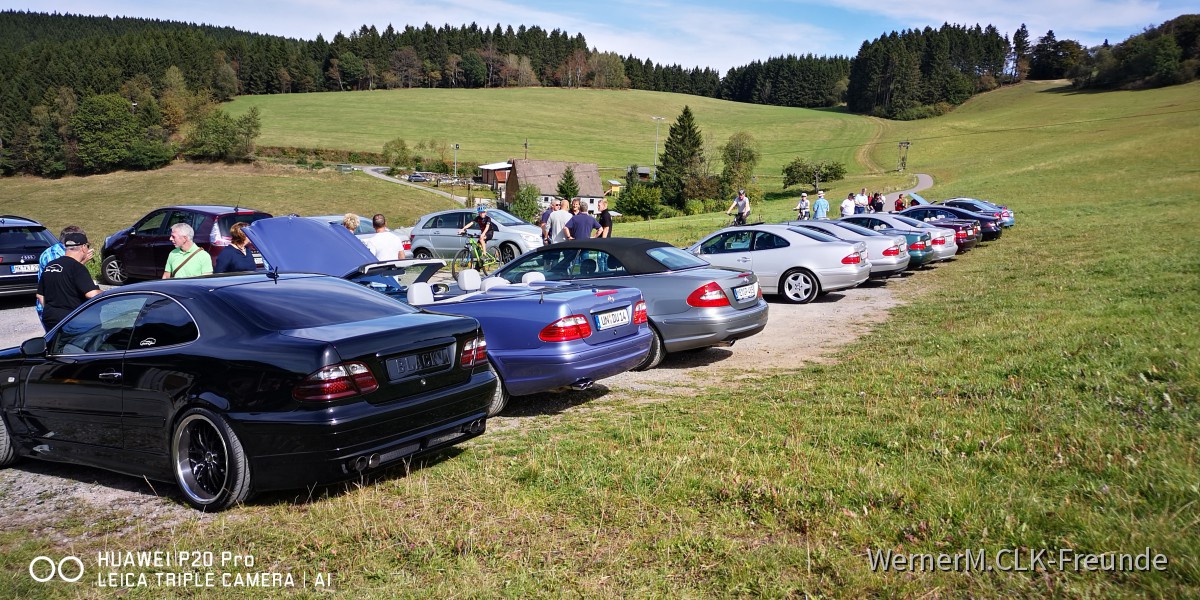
(456, 161)
(657, 123)
(903, 163)
(527, 148)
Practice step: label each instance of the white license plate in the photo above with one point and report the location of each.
(31, 268)
(612, 318)
(746, 292)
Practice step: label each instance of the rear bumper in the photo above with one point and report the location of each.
(944, 251)
(18, 285)
(991, 235)
(301, 448)
(965, 245)
(887, 266)
(557, 365)
(840, 279)
(918, 258)
(710, 327)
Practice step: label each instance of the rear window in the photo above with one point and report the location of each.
(227, 221)
(819, 236)
(32, 238)
(298, 303)
(675, 259)
(909, 221)
(857, 229)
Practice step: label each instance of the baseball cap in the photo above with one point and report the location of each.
(803, 194)
(74, 240)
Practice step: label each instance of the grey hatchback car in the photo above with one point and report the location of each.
(436, 234)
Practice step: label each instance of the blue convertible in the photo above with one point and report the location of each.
(541, 335)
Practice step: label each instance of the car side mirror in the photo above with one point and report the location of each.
(34, 347)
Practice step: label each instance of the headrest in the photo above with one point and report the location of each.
(468, 280)
(532, 276)
(492, 282)
(420, 293)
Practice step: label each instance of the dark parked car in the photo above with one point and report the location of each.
(22, 241)
(237, 384)
(140, 251)
(990, 226)
(1006, 216)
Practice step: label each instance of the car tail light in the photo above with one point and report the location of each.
(336, 381)
(707, 296)
(893, 251)
(939, 241)
(216, 238)
(917, 246)
(1007, 213)
(960, 235)
(407, 245)
(639, 313)
(998, 215)
(852, 259)
(574, 327)
(474, 353)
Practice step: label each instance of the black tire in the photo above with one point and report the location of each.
(422, 254)
(799, 286)
(113, 271)
(461, 261)
(209, 463)
(655, 355)
(8, 450)
(508, 252)
(500, 398)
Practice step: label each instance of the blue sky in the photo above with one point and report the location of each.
(718, 34)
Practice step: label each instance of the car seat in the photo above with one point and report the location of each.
(420, 293)
(468, 280)
(532, 277)
(492, 282)
(587, 267)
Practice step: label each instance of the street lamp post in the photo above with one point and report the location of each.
(456, 161)
(657, 123)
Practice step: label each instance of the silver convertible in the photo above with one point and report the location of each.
(690, 303)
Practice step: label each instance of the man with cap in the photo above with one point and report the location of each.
(487, 229)
(821, 207)
(802, 207)
(65, 282)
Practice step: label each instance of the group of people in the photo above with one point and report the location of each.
(384, 247)
(560, 224)
(854, 204)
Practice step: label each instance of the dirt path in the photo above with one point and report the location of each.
(863, 155)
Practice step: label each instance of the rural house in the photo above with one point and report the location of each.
(545, 175)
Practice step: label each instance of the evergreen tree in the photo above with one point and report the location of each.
(682, 159)
(1021, 52)
(568, 188)
(105, 129)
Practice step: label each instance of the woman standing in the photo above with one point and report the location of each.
(235, 258)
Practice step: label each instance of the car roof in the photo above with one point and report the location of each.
(15, 220)
(630, 251)
(214, 209)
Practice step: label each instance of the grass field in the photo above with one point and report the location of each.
(1038, 394)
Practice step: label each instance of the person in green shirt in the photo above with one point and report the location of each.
(187, 259)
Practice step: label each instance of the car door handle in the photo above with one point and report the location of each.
(110, 376)
(743, 259)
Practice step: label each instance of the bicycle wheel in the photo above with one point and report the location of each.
(461, 261)
(490, 261)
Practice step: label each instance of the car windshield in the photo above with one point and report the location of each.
(855, 228)
(909, 221)
(25, 239)
(504, 218)
(298, 303)
(675, 259)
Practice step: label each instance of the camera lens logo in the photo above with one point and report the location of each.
(68, 569)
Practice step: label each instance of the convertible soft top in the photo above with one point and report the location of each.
(630, 251)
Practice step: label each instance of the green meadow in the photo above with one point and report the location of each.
(1039, 393)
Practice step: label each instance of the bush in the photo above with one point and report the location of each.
(693, 207)
(668, 212)
(715, 205)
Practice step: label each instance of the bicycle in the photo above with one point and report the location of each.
(473, 254)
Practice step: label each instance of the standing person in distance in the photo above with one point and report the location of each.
(848, 206)
(742, 204)
(187, 259)
(385, 245)
(66, 283)
(580, 226)
(605, 219)
(235, 258)
(801, 209)
(544, 222)
(821, 207)
(899, 206)
(556, 222)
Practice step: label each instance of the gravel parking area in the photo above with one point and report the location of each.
(36, 492)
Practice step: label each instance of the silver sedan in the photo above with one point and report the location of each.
(798, 264)
(888, 253)
(942, 239)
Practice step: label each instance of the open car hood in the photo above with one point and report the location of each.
(300, 245)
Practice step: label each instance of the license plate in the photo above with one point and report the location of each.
(419, 362)
(746, 292)
(30, 268)
(612, 318)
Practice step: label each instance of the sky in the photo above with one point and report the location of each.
(694, 33)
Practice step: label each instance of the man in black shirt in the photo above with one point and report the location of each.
(66, 283)
(605, 219)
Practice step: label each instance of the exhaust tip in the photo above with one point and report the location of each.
(373, 461)
(582, 384)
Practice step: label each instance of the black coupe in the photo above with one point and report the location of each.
(238, 384)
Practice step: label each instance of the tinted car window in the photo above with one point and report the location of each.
(152, 223)
(857, 229)
(674, 258)
(25, 238)
(820, 236)
(163, 323)
(227, 221)
(910, 221)
(730, 241)
(309, 302)
(106, 326)
(769, 241)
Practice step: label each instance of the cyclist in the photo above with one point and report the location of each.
(801, 209)
(742, 203)
(487, 229)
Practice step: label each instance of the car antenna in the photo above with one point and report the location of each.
(273, 274)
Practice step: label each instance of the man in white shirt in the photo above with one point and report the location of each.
(555, 223)
(860, 202)
(848, 205)
(385, 245)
